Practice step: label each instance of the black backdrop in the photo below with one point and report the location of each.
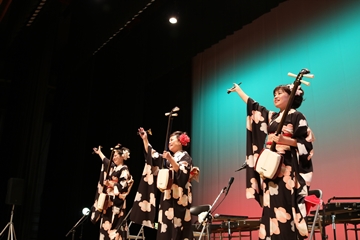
(56, 114)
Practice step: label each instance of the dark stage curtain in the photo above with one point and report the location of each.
(50, 128)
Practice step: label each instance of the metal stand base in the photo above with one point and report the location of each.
(11, 234)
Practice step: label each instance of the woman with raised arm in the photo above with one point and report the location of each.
(174, 217)
(283, 197)
(116, 183)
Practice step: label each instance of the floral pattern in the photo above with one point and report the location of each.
(125, 154)
(281, 198)
(174, 209)
(298, 90)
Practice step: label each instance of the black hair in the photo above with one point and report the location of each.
(298, 99)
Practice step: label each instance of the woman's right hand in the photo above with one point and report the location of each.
(240, 92)
(142, 133)
(234, 88)
(144, 137)
(97, 150)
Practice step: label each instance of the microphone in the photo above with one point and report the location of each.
(228, 187)
(232, 88)
(242, 167)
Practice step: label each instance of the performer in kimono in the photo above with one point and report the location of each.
(282, 198)
(117, 185)
(174, 219)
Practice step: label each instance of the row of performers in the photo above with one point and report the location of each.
(282, 197)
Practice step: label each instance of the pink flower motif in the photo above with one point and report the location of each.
(257, 117)
(250, 193)
(262, 231)
(274, 226)
(184, 139)
(281, 215)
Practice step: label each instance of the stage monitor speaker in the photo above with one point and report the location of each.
(15, 191)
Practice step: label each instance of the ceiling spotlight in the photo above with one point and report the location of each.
(173, 20)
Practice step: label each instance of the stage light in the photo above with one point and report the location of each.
(86, 211)
(173, 20)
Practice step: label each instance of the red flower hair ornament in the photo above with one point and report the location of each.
(184, 139)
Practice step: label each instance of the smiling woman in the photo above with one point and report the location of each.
(174, 216)
(282, 96)
(110, 202)
(283, 194)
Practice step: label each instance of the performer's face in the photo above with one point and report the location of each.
(174, 144)
(281, 98)
(117, 158)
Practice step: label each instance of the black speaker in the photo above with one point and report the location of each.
(15, 191)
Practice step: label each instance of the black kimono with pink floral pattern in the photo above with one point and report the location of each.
(174, 219)
(282, 198)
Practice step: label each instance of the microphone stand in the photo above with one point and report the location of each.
(207, 218)
(72, 230)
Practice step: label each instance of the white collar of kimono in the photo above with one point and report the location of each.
(118, 167)
(179, 154)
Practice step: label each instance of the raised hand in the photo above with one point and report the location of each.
(234, 88)
(97, 150)
(142, 133)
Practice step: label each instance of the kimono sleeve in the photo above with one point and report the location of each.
(256, 132)
(144, 206)
(95, 215)
(182, 176)
(153, 158)
(304, 137)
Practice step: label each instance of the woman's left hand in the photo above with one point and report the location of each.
(109, 183)
(278, 138)
(285, 140)
(167, 155)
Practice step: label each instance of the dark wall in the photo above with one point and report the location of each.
(55, 115)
